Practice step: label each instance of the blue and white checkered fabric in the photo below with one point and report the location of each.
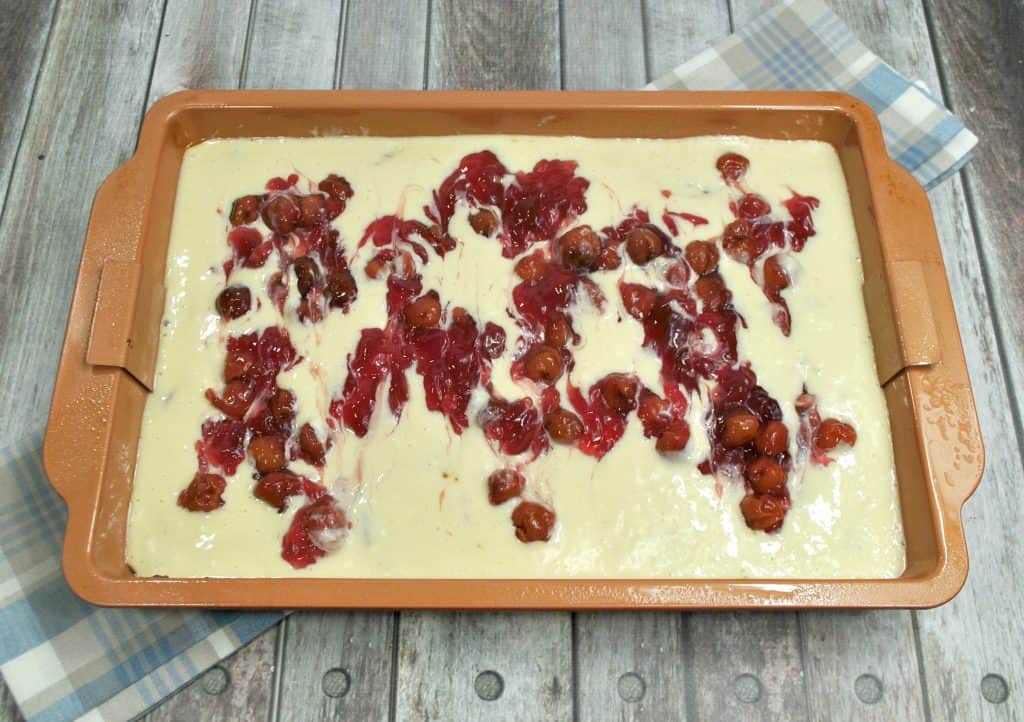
(802, 45)
(64, 659)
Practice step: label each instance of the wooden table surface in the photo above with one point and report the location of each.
(78, 77)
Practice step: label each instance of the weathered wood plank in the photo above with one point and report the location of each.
(861, 665)
(239, 687)
(630, 666)
(337, 666)
(92, 72)
(493, 45)
(479, 667)
(602, 46)
(746, 666)
(24, 28)
(385, 44)
(675, 31)
(202, 45)
(981, 47)
(293, 44)
(971, 648)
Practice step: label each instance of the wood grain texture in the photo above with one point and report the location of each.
(293, 44)
(202, 45)
(494, 45)
(602, 45)
(441, 658)
(746, 666)
(861, 665)
(675, 31)
(630, 666)
(92, 72)
(237, 688)
(385, 44)
(981, 47)
(24, 28)
(337, 666)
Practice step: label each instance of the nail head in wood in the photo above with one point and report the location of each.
(215, 680)
(994, 688)
(336, 682)
(868, 688)
(747, 688)
(489, 685)
(632, 687)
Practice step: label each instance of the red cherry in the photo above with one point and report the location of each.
(234, 302)
(530, 268)
(543, 363)
(532, 522)
(245, 210)
(484, 222)
(504, 484)
(764, 512)
(766, 476)
(563, 426)
(752, 206)
(832, 433)
(732, 166)
(204, 493)
(740, 428)
(644, 244)
(267, 453)
(281, 214)
(425, 311)
(772, 439)
(775, 276)
(619, 392)
(310, 447)
(336, 187)
(275, 488)
(578, 249)
(674, 438)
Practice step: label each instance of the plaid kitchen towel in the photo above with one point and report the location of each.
(802, 45)
(64, 659)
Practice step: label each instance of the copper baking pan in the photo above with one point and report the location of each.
(110, 347)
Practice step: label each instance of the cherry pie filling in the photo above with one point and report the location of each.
(689, 322)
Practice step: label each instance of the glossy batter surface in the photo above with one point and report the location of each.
(413, 490)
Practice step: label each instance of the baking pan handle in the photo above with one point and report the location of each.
(75, 434)
(127, 310)
(953, 441)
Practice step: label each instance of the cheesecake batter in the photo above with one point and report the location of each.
(413, 490)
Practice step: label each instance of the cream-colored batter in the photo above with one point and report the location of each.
(414, 491)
